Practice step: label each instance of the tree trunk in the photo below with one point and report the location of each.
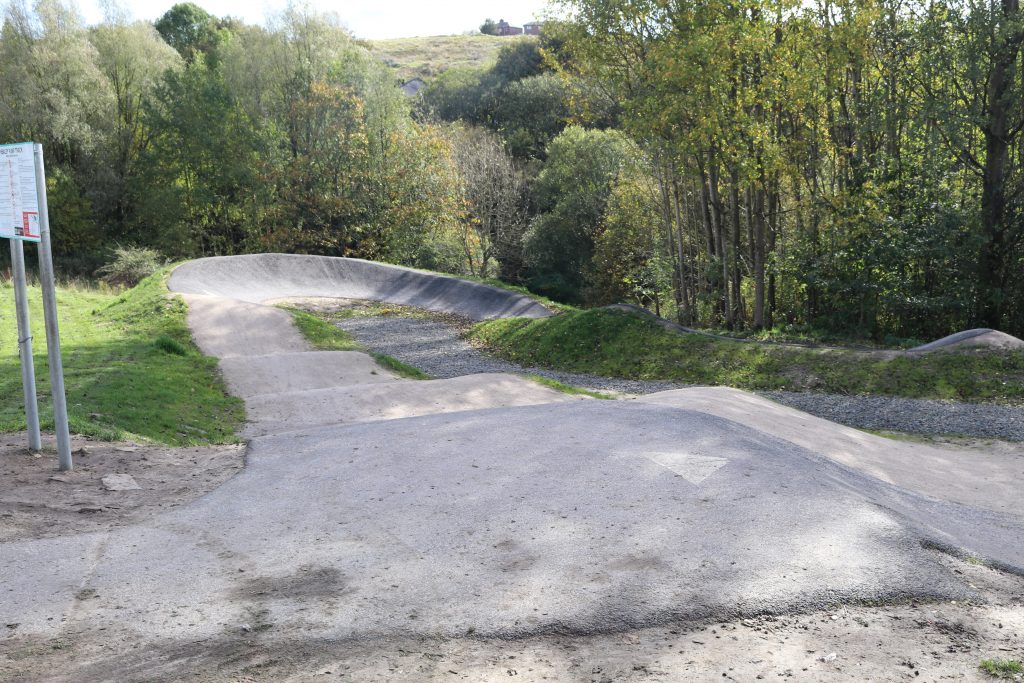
(720, 238)
(994, 253)
(734, 206)
(758, 210)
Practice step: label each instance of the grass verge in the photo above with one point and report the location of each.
(398, 367)
(326, 336)
(568, 389)
(1002, 668)
(619, 344)
(131, 369)
(321, 333)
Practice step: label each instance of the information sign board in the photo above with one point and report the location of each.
(19, 206)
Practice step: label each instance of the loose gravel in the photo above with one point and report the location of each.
(912, 415)
(437, 349)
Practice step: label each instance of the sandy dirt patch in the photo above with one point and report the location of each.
(37, 501)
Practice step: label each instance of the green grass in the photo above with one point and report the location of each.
(325, 336)
(321, 333)
(131, 369)
(619, 344)
(428, 57)
(568, 389)
(1001, 668)
(398, 367)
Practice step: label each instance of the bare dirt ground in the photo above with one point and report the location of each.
(37, 501)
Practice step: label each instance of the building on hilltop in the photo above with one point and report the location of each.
(504, 29)
(533, 28)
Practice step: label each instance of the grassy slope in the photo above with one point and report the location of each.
(131, 369)
(618, 344)
(427, 57)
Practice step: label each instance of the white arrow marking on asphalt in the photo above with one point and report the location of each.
(693, 468)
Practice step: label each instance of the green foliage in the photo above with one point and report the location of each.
(1002, 668)
(189, 29)
(518, 97)
(290, 138)
(618, 344)
(130, 266)
(79, 236)
(570, 193)
(518, 60)
(489, 27)
(530, 112)
(629, 264)
(458, 95)
(131, 369)
(851, 172)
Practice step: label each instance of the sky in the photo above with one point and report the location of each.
(369, 19)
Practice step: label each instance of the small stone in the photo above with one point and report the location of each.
(120, 482)
(126, 449)
(830, 657)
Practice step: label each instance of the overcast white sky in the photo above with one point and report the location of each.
(370, 19)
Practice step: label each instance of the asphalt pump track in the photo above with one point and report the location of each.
(373, 506)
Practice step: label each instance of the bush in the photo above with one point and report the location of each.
(131, 265)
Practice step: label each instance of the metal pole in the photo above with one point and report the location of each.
(28, 369)
(46, 280)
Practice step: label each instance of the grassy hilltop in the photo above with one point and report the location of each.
(428, 57)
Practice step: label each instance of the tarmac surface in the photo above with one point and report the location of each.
(373, 506)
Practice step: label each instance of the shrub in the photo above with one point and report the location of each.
(130, 266)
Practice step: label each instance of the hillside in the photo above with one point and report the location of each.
(427, 57)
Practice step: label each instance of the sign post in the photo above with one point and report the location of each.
(24, 217)
(28, 369)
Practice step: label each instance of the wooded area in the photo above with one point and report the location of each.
(848, 168)
(851, 165)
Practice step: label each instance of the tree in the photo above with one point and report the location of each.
(629, 263)
(489, 27)
(974, 89)
(134, 59)
(495, 197)
(529, 113)
(571, 192)
(458, 95)
(189, 29)
(200, 172)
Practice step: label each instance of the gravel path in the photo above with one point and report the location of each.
(913, 415)
(437, 349)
